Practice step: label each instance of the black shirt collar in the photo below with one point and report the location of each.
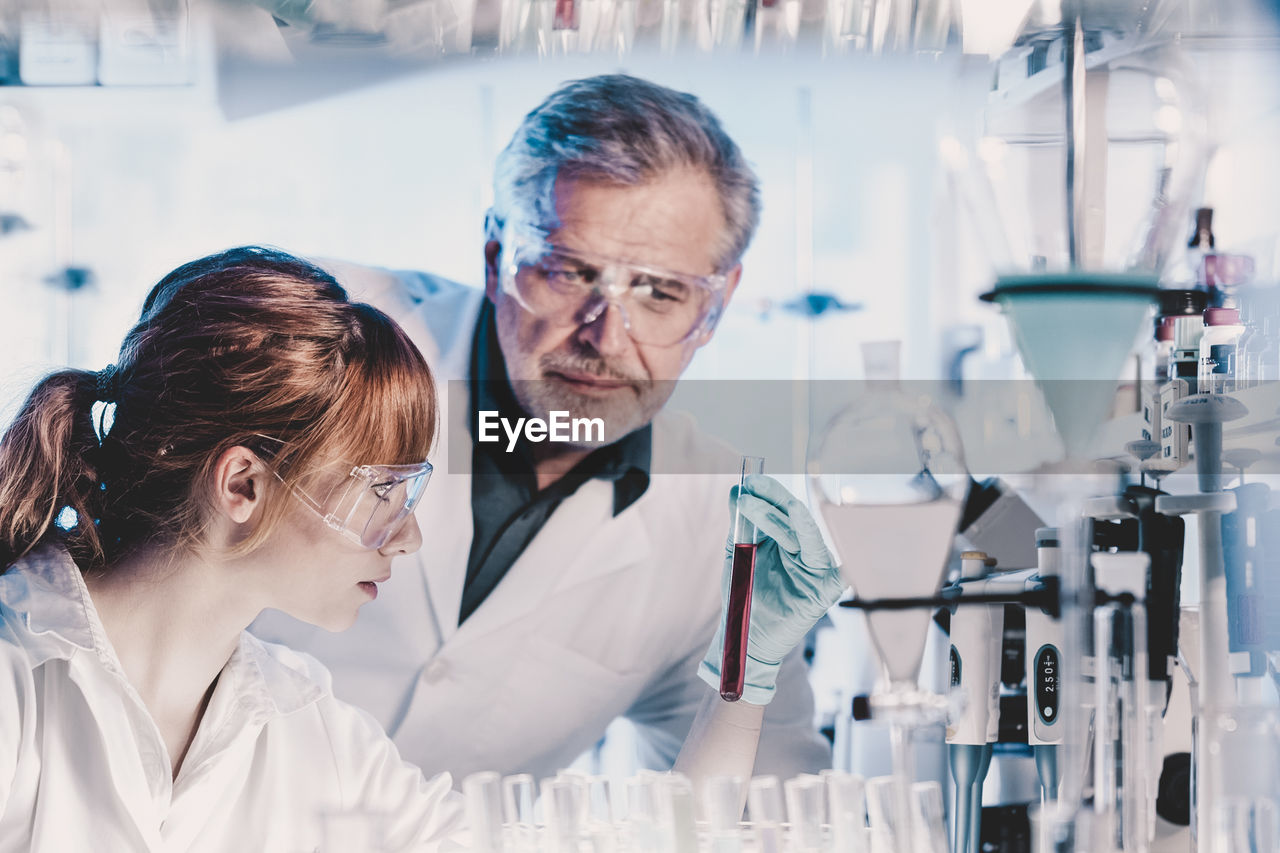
(626, 462)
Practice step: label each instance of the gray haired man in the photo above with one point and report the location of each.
(564, 585)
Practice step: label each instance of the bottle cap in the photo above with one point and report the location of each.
(1166, 330)
(1046, 537)
(973, 565)
(1222, 317)
(1177, 302)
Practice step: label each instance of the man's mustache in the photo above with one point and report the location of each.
(590, 366)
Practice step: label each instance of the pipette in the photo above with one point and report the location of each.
(974, 674)
(1121, 750)
(733, 668)
(1045, 641)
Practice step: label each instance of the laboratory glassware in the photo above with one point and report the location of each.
(483, 793)
(764, 802)
(722, 798)
(847, 811)
(733, 664)
(889, 481)
(518, 799)
(928, 818)
(806, 808)
(1122, 721)
(1218, 349)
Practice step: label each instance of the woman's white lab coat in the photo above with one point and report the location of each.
(83, 766)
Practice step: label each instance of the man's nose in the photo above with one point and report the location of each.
(605, 329)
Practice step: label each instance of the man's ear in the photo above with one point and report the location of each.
(731, 284)
(238, 484)
(492, 281)
(492, 252)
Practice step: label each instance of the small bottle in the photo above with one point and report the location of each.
(1164, 349)
(1266, 356)
(1258, 335)
(1185, 361)
(1249, 339)
(1222, 331)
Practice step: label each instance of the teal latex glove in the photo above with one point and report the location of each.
(796, 583)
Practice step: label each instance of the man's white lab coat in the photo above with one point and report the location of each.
(600, 617)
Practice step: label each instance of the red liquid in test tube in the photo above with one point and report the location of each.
(733, 663)
(566, 17)
(733, 670)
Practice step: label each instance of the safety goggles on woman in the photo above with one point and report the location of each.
(369, 506)
(568, 287)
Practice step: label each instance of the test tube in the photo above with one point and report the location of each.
(847, 806)
(642, 833)
(1053, 827)
(483, 794)
(566, 15)
(517, 807)
(890, 830)
(722, 802)
(562, 803)
(928, 818)
(678, 813)
(805, 807)
(733, 668)
(600, 810)
(764, 798)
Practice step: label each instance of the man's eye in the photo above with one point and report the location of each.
(662, 289)
(561, 273)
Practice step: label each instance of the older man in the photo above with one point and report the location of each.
(562, 585)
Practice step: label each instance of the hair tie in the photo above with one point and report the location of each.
(108, 390)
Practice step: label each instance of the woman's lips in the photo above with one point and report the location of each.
(371, 587)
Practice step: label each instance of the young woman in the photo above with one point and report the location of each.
(263, 446)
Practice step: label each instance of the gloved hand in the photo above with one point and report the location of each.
(796, 582)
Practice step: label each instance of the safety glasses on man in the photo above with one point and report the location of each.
(369, 505)
(568, 287)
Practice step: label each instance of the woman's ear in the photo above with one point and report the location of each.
(238, 480)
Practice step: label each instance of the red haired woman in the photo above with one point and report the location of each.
(266, 447)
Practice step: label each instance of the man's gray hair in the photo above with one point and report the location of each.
(623, 130)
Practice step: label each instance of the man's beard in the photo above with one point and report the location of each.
(623, 410)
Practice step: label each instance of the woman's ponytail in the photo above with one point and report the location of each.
(47, 463)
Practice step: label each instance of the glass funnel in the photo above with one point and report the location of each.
(888, 479)
(1092, 152)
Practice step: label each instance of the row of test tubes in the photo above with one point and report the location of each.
(555, 27)
(658, 813)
